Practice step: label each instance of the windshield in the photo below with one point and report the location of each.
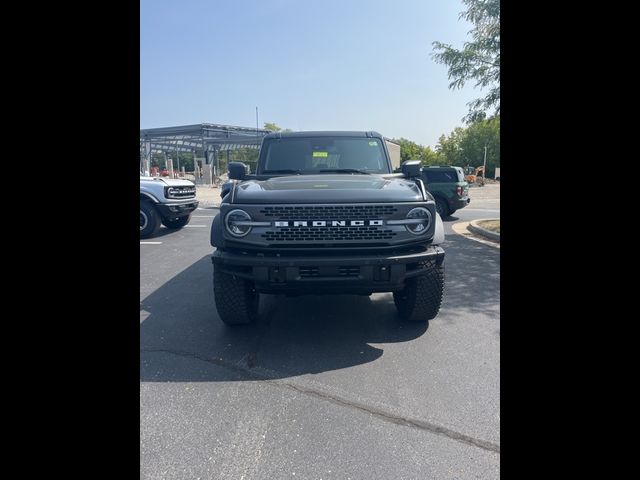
(313, 155)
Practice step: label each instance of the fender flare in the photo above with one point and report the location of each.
(438, 235)
(149, 197)
(217, 239)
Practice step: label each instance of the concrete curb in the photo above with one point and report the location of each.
(473, 227)
(460, 228)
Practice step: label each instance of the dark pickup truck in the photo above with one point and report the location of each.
(325, 214)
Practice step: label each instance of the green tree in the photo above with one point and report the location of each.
(465, 146)
(479, 59)
(429, 157)
(478, 135)
(275, 128)
(245, 155)
(186, 161)
(408, 150)
(271, 126)
(449, 147)
(157, 160)
(412, 151)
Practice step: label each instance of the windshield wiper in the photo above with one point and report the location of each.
(345, 170)
(285, 170)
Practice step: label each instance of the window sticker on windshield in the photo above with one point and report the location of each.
(373, 143)
(321, 154)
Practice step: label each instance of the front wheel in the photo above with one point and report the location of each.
(420, 299)
(149, 220)
(236, 299)
(177, 222)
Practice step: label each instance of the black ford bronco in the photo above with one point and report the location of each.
(324, 213)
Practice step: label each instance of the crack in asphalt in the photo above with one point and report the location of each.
(375, 411)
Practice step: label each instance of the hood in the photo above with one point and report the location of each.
(172, 182)
(340, 188)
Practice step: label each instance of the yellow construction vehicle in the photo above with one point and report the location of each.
(474, 175)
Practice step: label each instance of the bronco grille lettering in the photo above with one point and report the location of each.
(324, 223)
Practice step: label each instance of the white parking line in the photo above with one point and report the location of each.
(150, 243)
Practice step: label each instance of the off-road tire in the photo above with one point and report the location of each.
(236, 299)
(442, 208)
(176, 223)
(149, 220)
(421, 297)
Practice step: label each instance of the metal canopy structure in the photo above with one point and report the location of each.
(202, 139)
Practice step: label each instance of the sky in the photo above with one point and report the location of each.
(306, 65)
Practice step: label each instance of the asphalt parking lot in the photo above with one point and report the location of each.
(321, 387)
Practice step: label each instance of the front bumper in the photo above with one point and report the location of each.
(346, 273)
(177, 209)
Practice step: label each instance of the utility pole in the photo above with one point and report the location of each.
(177, 156)
(484, 167)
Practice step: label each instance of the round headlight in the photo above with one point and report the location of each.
(235, 221)
(422, 218)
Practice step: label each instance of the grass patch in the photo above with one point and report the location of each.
(492, 225)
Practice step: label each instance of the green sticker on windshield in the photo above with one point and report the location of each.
(373, 143)
(321, 154)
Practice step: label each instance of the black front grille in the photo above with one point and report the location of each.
(348, 271)
(329, 212)
(307, 272)
(314, 272)
(181, 192)
(328, 234)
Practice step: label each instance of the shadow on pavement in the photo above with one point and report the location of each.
(181, 331)
(294, 336)
(163, 232)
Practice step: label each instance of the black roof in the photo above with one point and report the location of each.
(326, 133)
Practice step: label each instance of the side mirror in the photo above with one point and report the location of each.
(411, 168)
(238, 170)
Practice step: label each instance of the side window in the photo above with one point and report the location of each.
(441, 176)
(451, 176)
